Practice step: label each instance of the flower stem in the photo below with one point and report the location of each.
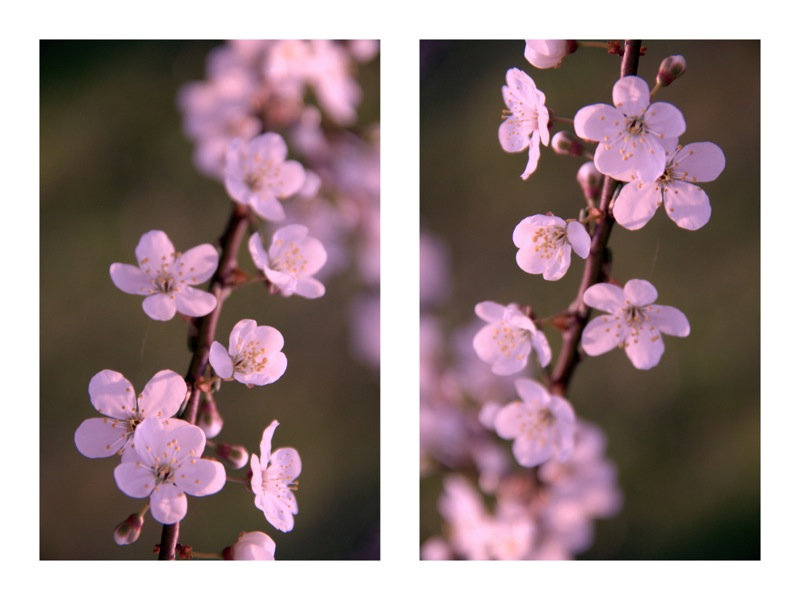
(597, 263)
(202, 336)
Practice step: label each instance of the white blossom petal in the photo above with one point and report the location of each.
(604, 296)
(200, 476)
(220, 360)
(197, 264)
(701, 161)
(602, 334)
(636, 204)
(162, 396)
(687, 205)
(195, 303)
(640, 292)
(112, 395)
(101, 437)
(631, 95)
(154, 249)
(645, 349)
(665, 120)
(160, 307)
(168, 504)
(579, 238)
(597, 122)
(130, 279)
(669, 320)
(134, 479)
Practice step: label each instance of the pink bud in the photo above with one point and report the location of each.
(234, 456)
(208, 418)
(567, 143)
(670, 69)
(590, 180)
(128, 531)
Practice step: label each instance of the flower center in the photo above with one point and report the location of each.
(635, 125)
(510, 339)
(163, 473)
(251, 359)
(260, 176)
(548, 240)
(291, 261)
(164, 283)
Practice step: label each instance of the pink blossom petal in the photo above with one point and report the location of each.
(195, 303)
(101, 437)
(277, 513)
(257, 251)
(530, 262)
(308, 287)
(267, 206)
(168, 504)
(544, 121)
(130, 279)
(669, 320)
(645, 349)
(514, 134)
(596, 121)
(533, 156)
(531, 391)
(604, 296)
(290, 178)
(275, 369)
(602, 334)
(284, 465)
(266, 148)
(198, 264)
(154, 249)
(640, 292)
(134, 479)
(508, 421)
(201, 477)
(220, 360)
(163, 395)
(254, 545)
(631, 95)
(687, 205)
(256, 481)
(270, 338)
(160, 307)
(490, 311)
(578, 238)
(636, 204)
(664, 120)
(241, 332)
(649, 161)
(266, 440)
(531, 451)
(701, 161)
(558, 266)
(112, 395)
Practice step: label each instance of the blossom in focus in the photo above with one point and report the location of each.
(273, 481)
(292, 260)
(113, 397)
(546, 243)
(525, 123)
(547, 54)
(508, 339)
(257, 174)
(685, 203)
(166, 277)
(253, 356)
(251, 545)
(542, 426)
(631, 133)
(167, 466)
(633, 322)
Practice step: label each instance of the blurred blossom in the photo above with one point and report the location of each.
(365, 325)
(508, 339)
(434, 270)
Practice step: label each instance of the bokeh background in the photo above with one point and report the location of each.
(115, 164)
(685, 435)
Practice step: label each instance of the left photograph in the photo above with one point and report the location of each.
(209, 306)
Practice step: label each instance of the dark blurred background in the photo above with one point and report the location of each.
(685, 435)
(115, 164)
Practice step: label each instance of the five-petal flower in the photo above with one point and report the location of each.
(257, 174)
(630, 133)
(113, 396)
(167, 466)
(546, 243)
(253, 356)
(293, 258)
(525, 124)
(541, 425)
(633, 322)
(272, 481)
(166, 276)
(508, 339)
(685, 203)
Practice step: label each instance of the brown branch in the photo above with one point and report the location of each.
(202, 333)
(597, 262)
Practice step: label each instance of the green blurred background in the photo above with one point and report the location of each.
(685, 435)
(115, 164)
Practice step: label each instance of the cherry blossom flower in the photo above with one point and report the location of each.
(113, 396)
(508, 338)
(630, 133)
(548, 54)
(293, 258)
(633, 322)
(273, 481)
(253, 356)
(166, 276)
(545, 244)
(257, 174)
(167, 466)
(251, 545)
(542, 426)
(685, 203)
(526, 119)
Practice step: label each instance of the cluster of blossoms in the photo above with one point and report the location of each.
(546, 510)
(163, 434)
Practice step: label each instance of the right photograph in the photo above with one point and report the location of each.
(590, 300)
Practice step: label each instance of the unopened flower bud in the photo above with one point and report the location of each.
(590, 180)
(567, 143)
(128, 531)
(670, 69)
(251, 545)
(234, 456)
(208, 418)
